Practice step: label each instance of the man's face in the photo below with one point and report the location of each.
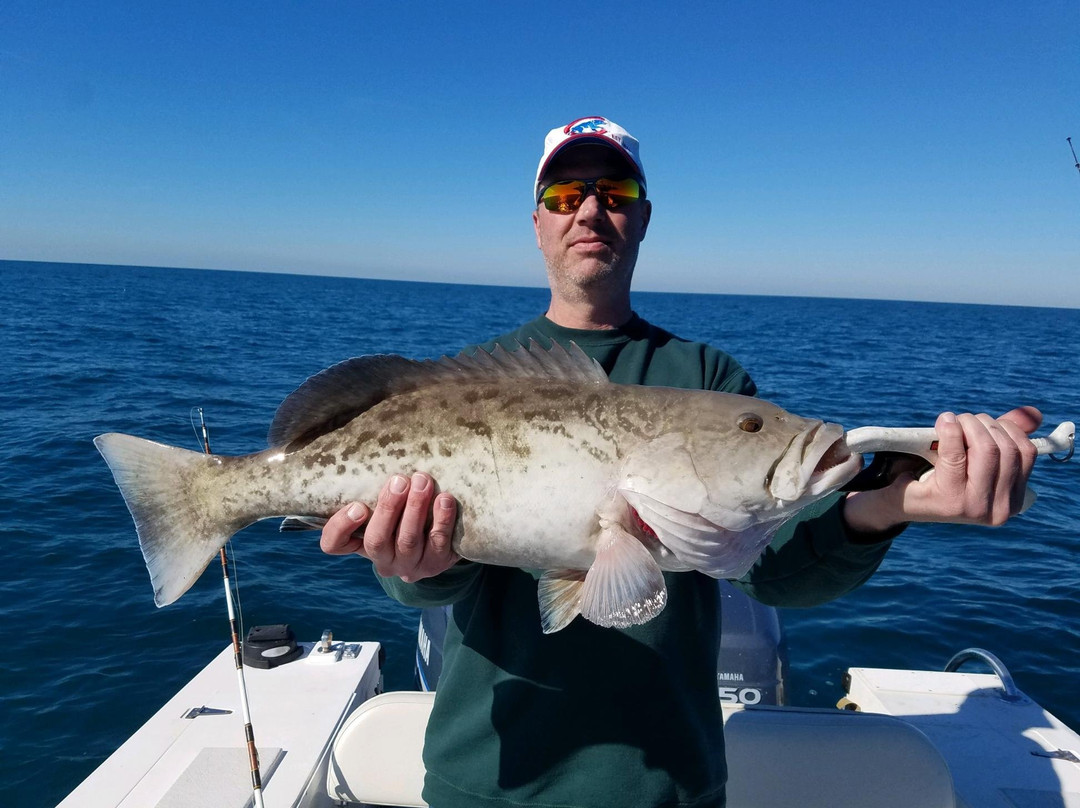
(592, 245)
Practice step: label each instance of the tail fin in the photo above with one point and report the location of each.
(180, 528)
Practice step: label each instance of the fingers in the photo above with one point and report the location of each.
(999, 471)
(1027, 418)
(397, 537)
(948, 483)
(952, 449)
(1025, 458)
(1004, 471)
(339, 534)
(982, 469)
(439, 553)
(393, 535)
(983, 465)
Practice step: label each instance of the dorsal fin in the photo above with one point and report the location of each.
(330, 399)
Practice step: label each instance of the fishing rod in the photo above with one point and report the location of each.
(249, 733)
(1075, 161)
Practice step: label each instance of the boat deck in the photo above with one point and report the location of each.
(936, 740)
(1001, 753)
(175, 761)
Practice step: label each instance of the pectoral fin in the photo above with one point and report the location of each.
(623, 587)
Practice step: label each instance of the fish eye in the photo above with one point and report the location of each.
(750, 422)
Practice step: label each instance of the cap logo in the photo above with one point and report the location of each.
(581, 126)
(594, 129)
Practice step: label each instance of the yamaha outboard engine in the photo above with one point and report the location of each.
(752, 665)
(751, 668)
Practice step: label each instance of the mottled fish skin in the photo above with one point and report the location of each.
(544, 469)
(529, 465)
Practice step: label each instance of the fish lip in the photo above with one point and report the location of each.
(770, 475)
(823, 463)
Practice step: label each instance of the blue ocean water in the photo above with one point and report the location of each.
(91, 349)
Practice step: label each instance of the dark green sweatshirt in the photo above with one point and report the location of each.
(592, 716)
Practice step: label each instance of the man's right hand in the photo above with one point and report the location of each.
(398, 539)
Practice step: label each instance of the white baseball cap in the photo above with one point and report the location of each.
(590, 130)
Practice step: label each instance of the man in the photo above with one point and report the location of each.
(592, 716)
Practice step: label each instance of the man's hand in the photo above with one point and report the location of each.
(398, 539)
(980, 477)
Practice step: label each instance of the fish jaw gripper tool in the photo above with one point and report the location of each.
(898, 450)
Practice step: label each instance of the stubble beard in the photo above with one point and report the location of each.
(583, 281)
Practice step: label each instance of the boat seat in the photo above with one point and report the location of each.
(376, 757)
(822, 758)
(777, 757)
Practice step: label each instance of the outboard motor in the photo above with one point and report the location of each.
(751, 667)
(429, 643)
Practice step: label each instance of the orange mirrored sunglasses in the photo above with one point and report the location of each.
(566, 196)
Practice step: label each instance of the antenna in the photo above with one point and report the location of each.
(1075, 161)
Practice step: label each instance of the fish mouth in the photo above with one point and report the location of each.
(816, 462)
(836, 465)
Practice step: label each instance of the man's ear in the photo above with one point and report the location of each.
(536, 228)
(646, 215)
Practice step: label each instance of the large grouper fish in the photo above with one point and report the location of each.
(599, 485)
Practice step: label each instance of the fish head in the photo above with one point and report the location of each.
(760, 460)
(716, 487)
(814, 463)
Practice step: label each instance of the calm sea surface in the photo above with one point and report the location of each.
(92, 349)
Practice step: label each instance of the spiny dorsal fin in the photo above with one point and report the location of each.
(330, 399)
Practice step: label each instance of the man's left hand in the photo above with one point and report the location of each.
(980, 477)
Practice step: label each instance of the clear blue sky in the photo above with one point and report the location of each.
(909, 150)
